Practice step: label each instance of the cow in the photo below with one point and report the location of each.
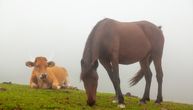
(46, 75)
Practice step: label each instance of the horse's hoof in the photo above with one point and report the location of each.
(91, 103)
(158, 101)
(121, 105)
(142, 102)
(147, 99)
(114, 101)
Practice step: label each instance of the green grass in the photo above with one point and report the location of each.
(21, 97)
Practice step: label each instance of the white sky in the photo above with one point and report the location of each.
(58, 29)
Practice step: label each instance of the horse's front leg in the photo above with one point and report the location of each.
(107, 65)
(113, 72)
(116, 82)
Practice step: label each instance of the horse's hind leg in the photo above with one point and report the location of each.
(159, 76)
(148, 76)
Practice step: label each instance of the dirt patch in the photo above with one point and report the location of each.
(128, 94)
(2, 89)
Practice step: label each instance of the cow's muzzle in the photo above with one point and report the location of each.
(43, 76)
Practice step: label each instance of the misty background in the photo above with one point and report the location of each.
(59, 29)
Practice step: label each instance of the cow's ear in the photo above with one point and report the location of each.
(29, 64)
(51, 64)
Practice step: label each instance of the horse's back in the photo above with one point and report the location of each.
(133, 40)
(142, 29)
(155, 35)
(132, 29)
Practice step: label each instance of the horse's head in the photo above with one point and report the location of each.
(89, 77)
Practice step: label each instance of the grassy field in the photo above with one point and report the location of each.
(21, 97)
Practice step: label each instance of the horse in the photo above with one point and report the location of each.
(112, 42)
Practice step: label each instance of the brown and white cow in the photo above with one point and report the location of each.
(46, 75)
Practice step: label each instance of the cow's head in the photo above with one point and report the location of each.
(40, 67)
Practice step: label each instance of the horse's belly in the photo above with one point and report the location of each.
(129, 54)
(130, 59)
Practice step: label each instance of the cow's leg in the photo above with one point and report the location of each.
(159, 76)
(56, 85)
(66, 84)
(33, 85)
(148, 76)
(33, 81)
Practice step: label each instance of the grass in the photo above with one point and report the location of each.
(21, 97)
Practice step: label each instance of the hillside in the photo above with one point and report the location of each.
(21, 97)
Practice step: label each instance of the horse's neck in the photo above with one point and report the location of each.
(87, 55)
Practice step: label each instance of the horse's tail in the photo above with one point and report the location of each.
(139, 75)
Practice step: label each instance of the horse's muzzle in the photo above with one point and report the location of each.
(91, 102)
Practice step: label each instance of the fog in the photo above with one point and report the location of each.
(59, 29)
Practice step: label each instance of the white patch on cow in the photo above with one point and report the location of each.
(42, 75)
(58, 87)
(121, 105)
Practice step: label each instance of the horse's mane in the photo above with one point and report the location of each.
(87, 49)
(87, 54)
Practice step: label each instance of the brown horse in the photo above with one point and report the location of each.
(113, 43)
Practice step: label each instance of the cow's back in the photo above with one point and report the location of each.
(59, 73)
